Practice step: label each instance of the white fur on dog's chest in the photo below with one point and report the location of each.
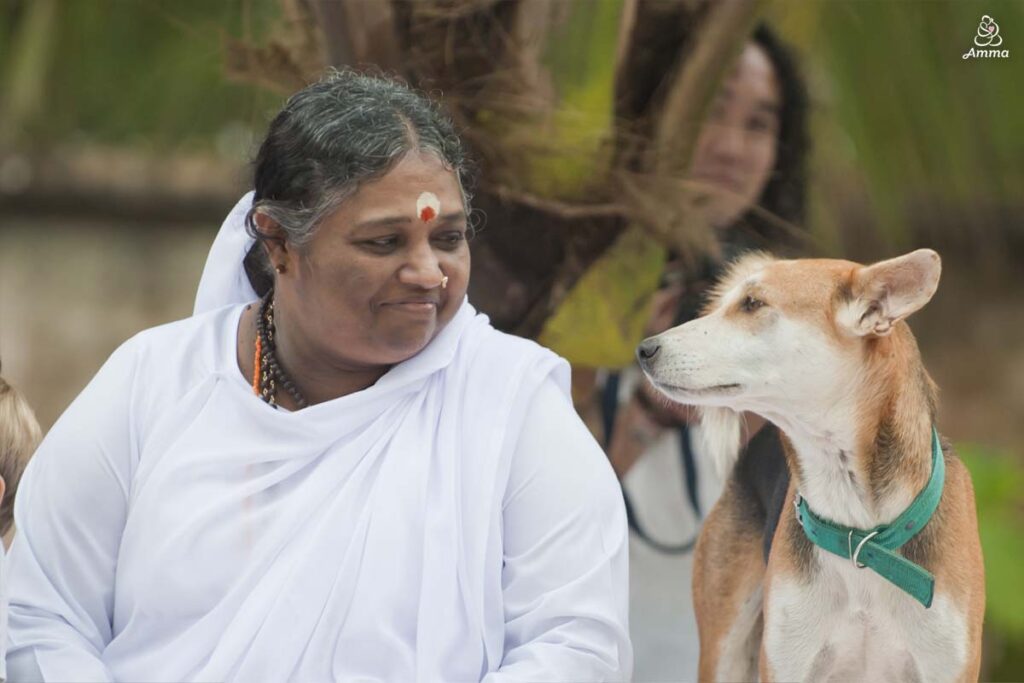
(851, 625)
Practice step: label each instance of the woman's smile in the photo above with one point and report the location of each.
(421, 308)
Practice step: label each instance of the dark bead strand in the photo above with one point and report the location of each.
(269, 363)
(273, 374)
(269, 388)
(282, 378)
(288, 385)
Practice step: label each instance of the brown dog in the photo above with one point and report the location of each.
(877, 575)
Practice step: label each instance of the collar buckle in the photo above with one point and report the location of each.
(855, 553)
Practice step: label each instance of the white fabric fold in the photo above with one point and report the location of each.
(452, 522)
(224, 281)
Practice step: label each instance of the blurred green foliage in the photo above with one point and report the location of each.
(580, 54)
(147, 74)
(999, 492)
(899, 108)
(601, 321)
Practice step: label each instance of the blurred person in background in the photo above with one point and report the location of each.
(336, 469)
(19, 436)
(749, 172)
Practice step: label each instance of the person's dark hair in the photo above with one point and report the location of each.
(784, 197)
(776, 222)
(328, 139)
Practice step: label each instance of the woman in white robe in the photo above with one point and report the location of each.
(414, 498)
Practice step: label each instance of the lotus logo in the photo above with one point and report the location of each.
(987, 37)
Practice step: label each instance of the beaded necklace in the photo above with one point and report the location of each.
(267, 373)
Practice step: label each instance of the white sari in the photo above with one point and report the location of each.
(453, 522)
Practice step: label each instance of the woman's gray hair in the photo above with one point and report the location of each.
(328, 139)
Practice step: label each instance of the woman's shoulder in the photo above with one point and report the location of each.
(203, 337)
(192, 347)
(492, 343)
(499, 354)
(145, 374)
(504, 371)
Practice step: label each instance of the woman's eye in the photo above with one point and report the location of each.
(450, 240)
(382, 243)
(761, 124)
(750, 304)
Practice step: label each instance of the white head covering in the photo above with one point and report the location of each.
(224, 281)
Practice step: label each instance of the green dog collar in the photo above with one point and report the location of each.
(875, 548)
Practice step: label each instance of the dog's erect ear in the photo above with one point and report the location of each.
(887, 292)
(720, 437)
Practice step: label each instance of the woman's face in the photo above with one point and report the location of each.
(736, 148)
(366, 290)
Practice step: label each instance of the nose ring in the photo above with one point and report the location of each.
(444, 282)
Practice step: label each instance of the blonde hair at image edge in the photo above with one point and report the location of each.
(19, 436)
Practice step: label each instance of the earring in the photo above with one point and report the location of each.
(279, 268)
(444, 282)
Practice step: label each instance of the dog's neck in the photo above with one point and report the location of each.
(860, 457)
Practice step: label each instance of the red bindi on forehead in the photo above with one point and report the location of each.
(428, 206)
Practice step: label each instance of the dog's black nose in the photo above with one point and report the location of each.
(646, 352)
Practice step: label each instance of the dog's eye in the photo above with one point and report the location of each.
(750, 304)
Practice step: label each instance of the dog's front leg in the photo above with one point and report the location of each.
(727, 575)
